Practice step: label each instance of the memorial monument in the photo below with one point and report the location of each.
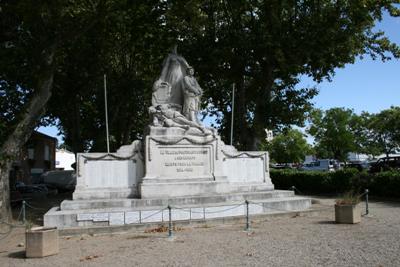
(179, 162)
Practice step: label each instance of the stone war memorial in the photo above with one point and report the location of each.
(179, 163)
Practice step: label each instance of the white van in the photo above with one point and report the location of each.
(321, 165)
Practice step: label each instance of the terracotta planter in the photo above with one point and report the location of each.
(41, 242)
(347, 213)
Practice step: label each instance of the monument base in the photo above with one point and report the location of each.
(112, 212)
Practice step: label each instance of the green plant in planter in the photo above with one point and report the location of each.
(349, 198)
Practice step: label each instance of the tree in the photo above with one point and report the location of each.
(129, 47)
(264, 46)
(333, 131)
(363, 135)
(32, 36)
(289, 147)
(384, 131)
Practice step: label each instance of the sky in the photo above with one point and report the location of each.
(366, 85)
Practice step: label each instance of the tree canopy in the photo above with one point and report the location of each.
(382, 132)
(264, 46)
(289, 147)
(261, 46)
(333, 131)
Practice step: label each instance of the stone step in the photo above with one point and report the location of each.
(163, 202)
(200, 211)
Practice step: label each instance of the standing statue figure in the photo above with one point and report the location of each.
(191, 96)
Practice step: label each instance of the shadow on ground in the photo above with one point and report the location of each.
(17, 255)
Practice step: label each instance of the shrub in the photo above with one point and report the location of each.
(385, 184)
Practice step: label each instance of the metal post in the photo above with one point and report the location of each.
(23, 211)
(105, 103)
(169, 222)
(247, 216)
(233, 111)
(366, 202)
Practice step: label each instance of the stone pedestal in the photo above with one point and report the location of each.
(179, 165)
(182, 165)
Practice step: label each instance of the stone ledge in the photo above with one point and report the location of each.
(210, 198)
(107, 230)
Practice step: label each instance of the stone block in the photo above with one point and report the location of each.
(151, 216)
(224, 211)
(117, 218)
(41, 242)
(132, 217)
(197, 213)
(106, 176)
(177, 214)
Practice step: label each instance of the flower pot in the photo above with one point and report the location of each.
(347, 213)
(41, 242)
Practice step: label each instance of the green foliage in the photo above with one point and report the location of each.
(30, 30)
(333, 131)
(128, 46)
(385, 184)
(289, 147)
(264, 46)
(261, 46)
(338, 131)
(384, 131)
(349, 198)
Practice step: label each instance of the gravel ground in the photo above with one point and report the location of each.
(275, 241)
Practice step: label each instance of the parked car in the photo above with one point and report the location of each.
(385, 164)
(282, 166)
(322, 165)
(362, 165)
(62, 180)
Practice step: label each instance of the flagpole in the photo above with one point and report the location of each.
(105, 103)
(233, 111)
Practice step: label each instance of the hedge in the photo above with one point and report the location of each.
(386, 184)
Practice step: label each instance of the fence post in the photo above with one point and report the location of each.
(294, 189)
(247, 216)
(23, 211)
(169, 222)
(366, 202)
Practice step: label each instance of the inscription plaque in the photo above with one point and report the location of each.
(185, 161)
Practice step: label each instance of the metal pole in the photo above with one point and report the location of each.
(233, 111)
(247, 216)
(23, 211)
(366, 202)
(105, 103)
(169, 222)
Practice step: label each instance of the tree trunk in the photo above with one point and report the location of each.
(262, 112)
(11, 148)
(240, 123)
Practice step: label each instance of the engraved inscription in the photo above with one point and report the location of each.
(186, 161)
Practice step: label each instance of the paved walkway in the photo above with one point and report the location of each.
(297, 241)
